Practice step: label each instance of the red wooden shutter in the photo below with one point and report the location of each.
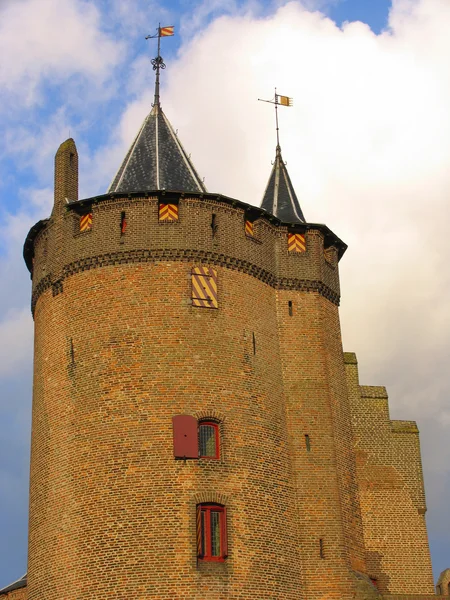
(224, 533)
(199, 531)
(185, 436)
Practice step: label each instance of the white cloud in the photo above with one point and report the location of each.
(51, 40)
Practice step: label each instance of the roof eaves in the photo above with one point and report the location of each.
(28, 247)
(15, 585)
(331, 239)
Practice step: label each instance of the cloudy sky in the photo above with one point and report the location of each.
(367, 145)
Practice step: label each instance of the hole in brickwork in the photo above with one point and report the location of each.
(307, 443)
(71, 158)
(321, 548)
(254, 342)
(291, 311)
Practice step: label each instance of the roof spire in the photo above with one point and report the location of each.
(158, 62)
(276, 119)
(279, 197)
(156, 159)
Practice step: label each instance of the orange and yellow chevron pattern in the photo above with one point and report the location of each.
(168, 212)
(204, 287)
(296, 242)
(249, 228)
(86, 222)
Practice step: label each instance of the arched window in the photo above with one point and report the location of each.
(212, 532)
(208, 440)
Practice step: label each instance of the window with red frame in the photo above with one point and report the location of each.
(212, 532)
(208, 439)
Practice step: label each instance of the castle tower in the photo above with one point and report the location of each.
(193, 426)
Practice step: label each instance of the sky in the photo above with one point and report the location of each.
(367, 145)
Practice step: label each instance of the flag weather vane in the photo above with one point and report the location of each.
(278, 101)
(158, 62)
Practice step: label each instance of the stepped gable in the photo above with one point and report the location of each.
(280, 199)
(157, 160)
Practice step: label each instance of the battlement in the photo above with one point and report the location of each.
(208, 229)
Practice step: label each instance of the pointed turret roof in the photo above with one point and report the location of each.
(157, 160)
(280, 199)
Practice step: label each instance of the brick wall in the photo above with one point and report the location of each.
(20, 594)
(102, 438)
(391, 491)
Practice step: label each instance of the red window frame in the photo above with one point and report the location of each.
(204, 543)
(217, 445)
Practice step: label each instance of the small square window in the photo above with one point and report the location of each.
(208, 440)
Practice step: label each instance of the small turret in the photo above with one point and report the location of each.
(280, 199)
(156, 159)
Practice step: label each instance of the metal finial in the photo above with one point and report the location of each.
(276, 119)
(284, 101)
(158, 62)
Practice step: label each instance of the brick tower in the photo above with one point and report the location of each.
(198, 432)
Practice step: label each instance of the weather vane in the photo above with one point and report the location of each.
(158, 62)
(278, 101)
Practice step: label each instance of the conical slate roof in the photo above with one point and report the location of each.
(279, 198)
(156, 160)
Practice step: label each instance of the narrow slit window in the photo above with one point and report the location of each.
(214, 225)
(321, 548)
(123, 223)
(72, 352)
(204, 287)
(291, 311)
(208, 439)
(307, 443)
(254, 342)
(211, 532)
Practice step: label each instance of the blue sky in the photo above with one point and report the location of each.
(367, 146)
